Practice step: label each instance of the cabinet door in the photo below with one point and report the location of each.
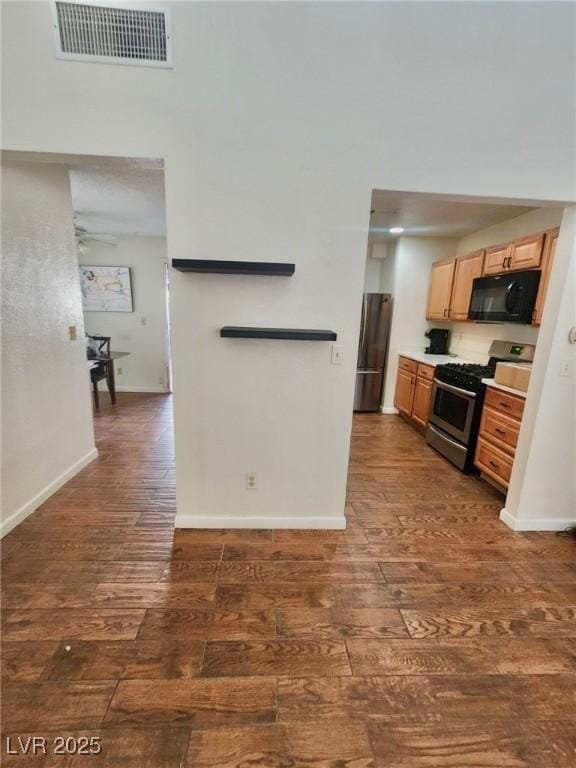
(526, 253)
(467, 268)
(440, 290)
(550, 241)
(421, 405)
(404, 396)
(496, 259)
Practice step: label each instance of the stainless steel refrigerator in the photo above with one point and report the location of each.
(372, 349)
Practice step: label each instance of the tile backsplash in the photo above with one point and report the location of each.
(472, 340)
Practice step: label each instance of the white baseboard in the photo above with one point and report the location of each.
(33, 504)
(388, 409)
(537, 523)
(336, 523)
(159, 389)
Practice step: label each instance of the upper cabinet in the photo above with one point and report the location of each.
(441, 279)
(467, 268)
(526, 253)
(451, 280)
(521, 254)
(548, 252)
(496, 259)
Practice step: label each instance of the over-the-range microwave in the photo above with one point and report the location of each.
(508, 298)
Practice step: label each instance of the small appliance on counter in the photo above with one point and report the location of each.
(457, 399)
(439, 338)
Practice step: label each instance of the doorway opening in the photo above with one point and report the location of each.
(468, 281)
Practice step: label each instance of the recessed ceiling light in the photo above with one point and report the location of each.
(396, 230)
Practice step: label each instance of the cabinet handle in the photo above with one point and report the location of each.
(504, 263)
(500, 431)
(505, 405)
(509, 264)
(494, 464)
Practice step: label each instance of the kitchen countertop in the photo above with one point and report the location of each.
(504, 388)
(422, 357)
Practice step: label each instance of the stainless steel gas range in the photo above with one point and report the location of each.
(457, 399)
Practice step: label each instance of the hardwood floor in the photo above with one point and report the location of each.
(426, 634)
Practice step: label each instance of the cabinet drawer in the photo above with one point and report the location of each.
(501, 401)
(425, 372)
(501, 430)
(493, 462)
(406, 364)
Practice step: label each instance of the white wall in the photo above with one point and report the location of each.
(47, 433)
(542, 493)
(372, 274)
(145, 369)
(388, 270)
(413, 260)
(276, 123)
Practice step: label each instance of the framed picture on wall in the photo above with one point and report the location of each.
(106, 289)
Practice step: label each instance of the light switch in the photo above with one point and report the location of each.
(72, 332)
(337, 354)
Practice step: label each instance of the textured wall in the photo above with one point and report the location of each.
(46, 409)
(145, 369)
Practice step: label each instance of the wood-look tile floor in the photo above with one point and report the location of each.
(426, 634)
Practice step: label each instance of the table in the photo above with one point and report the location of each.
(107, 362)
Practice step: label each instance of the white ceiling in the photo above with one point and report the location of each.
(434, 215)
(119, 200)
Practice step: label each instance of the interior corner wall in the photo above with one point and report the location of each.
(47, 431)
(144, 332)
(372, 273)
(413, 260)
(542, 492)
(275, 124)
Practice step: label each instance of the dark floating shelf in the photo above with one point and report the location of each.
(284, 334)
(225, 267)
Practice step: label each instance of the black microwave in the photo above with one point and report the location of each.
(508, 298)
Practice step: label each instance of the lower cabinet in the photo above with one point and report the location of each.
(421, 404)
(404, 397)
(414, 390)
(499, 430)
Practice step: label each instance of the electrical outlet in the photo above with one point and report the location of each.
(72, 332)
(120, 371)
(337, 354)
(143, 320)
(251, 481)
(565, 368)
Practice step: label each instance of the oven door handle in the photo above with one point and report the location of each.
(444, 436)
(457, 390)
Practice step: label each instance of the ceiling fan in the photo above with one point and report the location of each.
(83, 237)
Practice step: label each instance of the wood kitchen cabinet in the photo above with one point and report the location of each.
(495, 259)
(526, 253)
(440, 291)
(404, 395)
(414, 390)
(466, 269)
(421, 402)
(451, 280)
(548, 253)
(499, 430)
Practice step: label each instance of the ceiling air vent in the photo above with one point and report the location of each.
(108, 33)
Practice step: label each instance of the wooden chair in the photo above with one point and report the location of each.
(100, 371)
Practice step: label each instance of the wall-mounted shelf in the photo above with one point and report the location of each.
(227, 267)
(284, 334)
